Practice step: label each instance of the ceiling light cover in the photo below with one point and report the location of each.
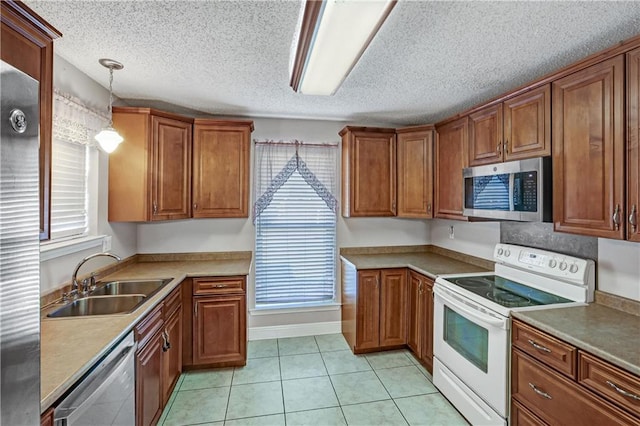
(109, 138)
(333, 36)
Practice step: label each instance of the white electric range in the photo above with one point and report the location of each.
(472, 323)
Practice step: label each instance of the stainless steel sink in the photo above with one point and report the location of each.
(143, 287)
(102, 305)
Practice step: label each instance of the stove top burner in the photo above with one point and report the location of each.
(474, 282)
(508, 299)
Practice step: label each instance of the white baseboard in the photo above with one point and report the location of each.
(294, 330)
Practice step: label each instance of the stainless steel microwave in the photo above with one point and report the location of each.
(515, 190)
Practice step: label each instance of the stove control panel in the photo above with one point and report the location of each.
(544, 262)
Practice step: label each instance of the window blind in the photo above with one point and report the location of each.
(295, 247)
(69, 197)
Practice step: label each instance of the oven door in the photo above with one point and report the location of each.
(472, 342)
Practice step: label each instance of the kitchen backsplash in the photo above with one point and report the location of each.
(540, 235)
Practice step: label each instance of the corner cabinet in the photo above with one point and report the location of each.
(415, 172)
(150, 172)
(221, 168)
(633, 145)
(27, 44)
(450, 159)
(368, 172)
(588, 151)
(420, 318)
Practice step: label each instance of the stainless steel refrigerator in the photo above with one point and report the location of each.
(19, 249)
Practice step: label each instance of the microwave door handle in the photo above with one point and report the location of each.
(107, 379)
(461, 306)
(511, 189)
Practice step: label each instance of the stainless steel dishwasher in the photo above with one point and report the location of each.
(106, 396)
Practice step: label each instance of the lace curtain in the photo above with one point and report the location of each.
(75, 122)
(275, 162)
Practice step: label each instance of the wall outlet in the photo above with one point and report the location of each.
(451, 233)
(106, 242)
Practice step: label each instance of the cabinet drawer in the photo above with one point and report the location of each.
(520, 416)
(557, 400)
(228, 285)
(611, 382)
(549, 350)
(172, 301)
(146, 328)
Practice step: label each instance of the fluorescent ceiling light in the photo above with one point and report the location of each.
(333, 35)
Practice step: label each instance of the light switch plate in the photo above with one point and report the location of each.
(106, 243)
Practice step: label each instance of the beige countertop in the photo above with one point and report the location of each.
(70, 346)
(431, 261)
(611, 334)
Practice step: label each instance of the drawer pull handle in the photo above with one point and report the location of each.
(221, 285)
(539, 347)
(539, 392)
(623, 392)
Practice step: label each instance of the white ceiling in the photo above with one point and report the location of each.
(429, 61)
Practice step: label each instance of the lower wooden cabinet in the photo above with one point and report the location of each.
(149, 401)
(420, 318)
(46, 419)
(172, 359)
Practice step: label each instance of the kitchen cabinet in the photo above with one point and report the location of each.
(368, 172)
(219, 321)
(588, 151)
(450, 158)
(518, 128)
(221, 168)
(544, 376)
(158, 358)
(27, 44)
(374, 308)
(633, 145)
(150, 172)
(46, 419)
(420, 318)
(415, 172)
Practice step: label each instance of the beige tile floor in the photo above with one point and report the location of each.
(313, 380)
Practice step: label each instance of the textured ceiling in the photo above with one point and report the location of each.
(430, 59)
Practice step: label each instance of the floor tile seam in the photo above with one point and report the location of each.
(172, 399)
(304, 377)
(253, 417)
(226, 410)
(310, 409)
(335, 393)
(392, 399)
(284, 406)
(365, 402)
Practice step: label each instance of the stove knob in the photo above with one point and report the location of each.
(507, 253)
(500, 251)
(573, 268)
(563, 266)
(552, 263)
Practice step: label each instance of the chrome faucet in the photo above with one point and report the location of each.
(87, 283)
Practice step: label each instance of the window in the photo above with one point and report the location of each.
(295, 218)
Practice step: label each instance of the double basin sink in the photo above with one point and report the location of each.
(112, 297)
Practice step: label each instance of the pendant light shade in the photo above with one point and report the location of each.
(109, 138)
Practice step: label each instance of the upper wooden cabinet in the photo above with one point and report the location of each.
(368, 171)
(221, 168)
(517, 128)
(26, 43)
(633, 145)
(150, 172)
(415, 172)
(450, 159)
(588, 151)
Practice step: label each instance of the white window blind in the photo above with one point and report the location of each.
(69, 195)
(295, 217)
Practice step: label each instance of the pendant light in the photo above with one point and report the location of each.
(108, 138)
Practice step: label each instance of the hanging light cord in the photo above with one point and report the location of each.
(110, 96)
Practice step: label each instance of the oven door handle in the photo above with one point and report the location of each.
(461, 305)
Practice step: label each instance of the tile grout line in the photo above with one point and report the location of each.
(331, 381)
(387, 390)
(226, 411)
(284, 407)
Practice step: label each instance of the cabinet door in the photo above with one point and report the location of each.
(393, 307)
(414, 326)
(415, 174)
(450, 159)
(369, 165)
(527, 125)
(633, 145)
(426, 341)
(149, 400)
(219, 330)
(368, 310)
(485, 136)
(588, 151)
(221, 170)
(172, 357)
(170, 169)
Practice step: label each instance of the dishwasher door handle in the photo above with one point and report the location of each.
(107, 379)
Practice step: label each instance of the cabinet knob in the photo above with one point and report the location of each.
(195, 206)
(616, 217)
(633, 218)
(429, 208)
(499, 148)
(155, 208)
(506, 146)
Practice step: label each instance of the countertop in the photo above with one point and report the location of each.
(432, 261)
(70, 346)
(611, 334)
